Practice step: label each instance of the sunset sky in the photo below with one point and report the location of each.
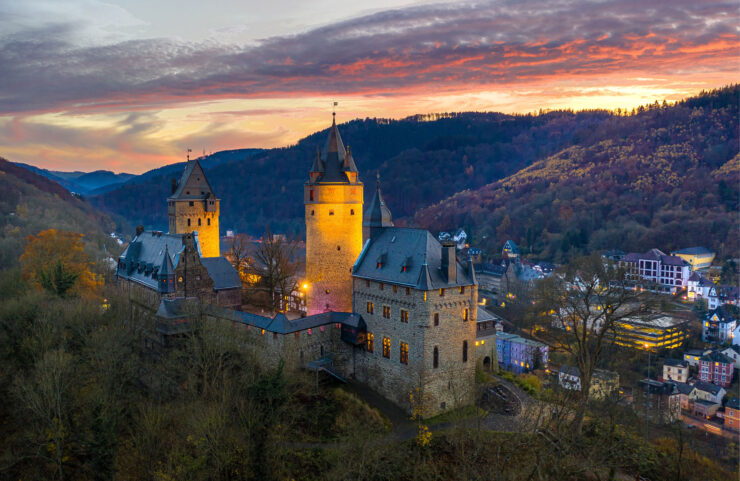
(129, 85)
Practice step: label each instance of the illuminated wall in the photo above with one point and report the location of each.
(333, 243)
(203, 217)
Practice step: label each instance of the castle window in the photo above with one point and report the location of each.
(387, 312)
(441, 293)
(209, 221)
(425, 296)
(395, 288)
(179, 279)
(379, 265)
(465, 315)
(408, 291)
(297, 334)
(462, 289)
(263, 332)
(404, 315)
(387, 347)
(274, 335)
(436, 318)
(370, 343)
(310, 332)
(188, 222)
(187, 192)
(326, 291)
(191, 203)
(310, 194)
(367, 283)
(404, 358)
(339, 248)
(312, 212)
(199, 221)
(435, 358)
(380, 286)
(465, 351)
(351, 212)
(331, 212)
(370, 308)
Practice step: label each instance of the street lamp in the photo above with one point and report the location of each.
(647, 397)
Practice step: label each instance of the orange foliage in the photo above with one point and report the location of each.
(51, 247)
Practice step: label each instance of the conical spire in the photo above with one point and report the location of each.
(377, 215)
(317, 166)
(166, 269)
(424, 282)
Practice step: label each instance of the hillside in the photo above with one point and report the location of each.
(30, 203)
(664, 177)
(421, 160)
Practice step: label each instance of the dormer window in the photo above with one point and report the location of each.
(379, 265)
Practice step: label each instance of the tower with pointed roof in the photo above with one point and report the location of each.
(333, 201)
(193, 206)
(377, 216)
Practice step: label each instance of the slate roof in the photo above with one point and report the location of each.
(712, 389)
(490, 269)
(224, 275)
(188, 188)
(733, 403)
(725, 313)
(484, 315)
(716, 356)
(334, 160)
(407, 257)
(154, 253)
(378, 214)
(510, 246)
(682, 387)
(655, 255)
(675, 362)
(693, 251)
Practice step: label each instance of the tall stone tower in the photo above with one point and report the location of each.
(333, 200)
(194, 207)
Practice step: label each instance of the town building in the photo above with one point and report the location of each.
(686, 393)
(656, 271)
(663, 400)
(675, 370)
(604, 384)
(517, 354)
(709, 392)
(732, 414)
(733, 352)
(193, 206)
(719, 324)
(510, 250)
(654, 332)
(488, 326)
(716, 368)
(698, 257)
(692, 356)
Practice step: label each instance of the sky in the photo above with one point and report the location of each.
(130, 85)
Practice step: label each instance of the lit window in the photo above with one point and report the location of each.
(404, 358)
(380, 286)
(462, 289)
(263, 332)
(395, 288)
(387, 312)
(408, 291)
(387, 347)
(465, 315)
(370, 308)
(404, 315)
(441, 293)
(309, 332)
(370, 343)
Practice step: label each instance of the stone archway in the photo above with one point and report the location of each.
(487, 363)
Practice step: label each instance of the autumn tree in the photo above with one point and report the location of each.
(274, 262)
(583, 301)
(56, 261)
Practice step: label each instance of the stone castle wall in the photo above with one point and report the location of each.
(181, 211)
(447, 386)
(333, 243)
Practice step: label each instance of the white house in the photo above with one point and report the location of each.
(733, 352)
(655, 268)
(692, 356)
(736, 336)
(709, 392)
(718, 325)
(675, 370)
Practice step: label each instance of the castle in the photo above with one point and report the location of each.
(388, 306)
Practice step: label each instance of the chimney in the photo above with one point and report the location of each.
(449, 261)
(174, 185)
(139, 229)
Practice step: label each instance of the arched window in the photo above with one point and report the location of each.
(435, 358)
(465, 351)
(188, 222)
(209, 221)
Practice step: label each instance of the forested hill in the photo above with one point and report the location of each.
(421, 160)
(30, 203)
(665, 177)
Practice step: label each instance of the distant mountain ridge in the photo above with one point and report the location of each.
(421, 160)
(665, 177)
(81, 182)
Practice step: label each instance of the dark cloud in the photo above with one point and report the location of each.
(434, 47)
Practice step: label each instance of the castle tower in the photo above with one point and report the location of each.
(377, 216)
(333, 200)
(194, 207)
